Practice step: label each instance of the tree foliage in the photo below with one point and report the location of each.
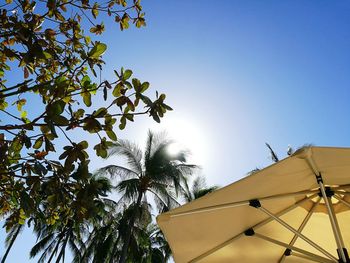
(50, 89)
(152, 173)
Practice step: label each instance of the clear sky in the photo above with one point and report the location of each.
(238, 74)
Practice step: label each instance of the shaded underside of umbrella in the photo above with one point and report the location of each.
(297, 210)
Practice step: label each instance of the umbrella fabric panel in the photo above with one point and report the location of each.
(332, 163)
(250, 250)
(253, 249)
(289, 175)
(192, 231)
(201, 232)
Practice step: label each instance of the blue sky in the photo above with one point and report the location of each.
(238, 74)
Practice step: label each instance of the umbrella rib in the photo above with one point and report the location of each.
(342, 187)
(302, 251)
(309, 258)
(342, 192)
(290, 228)
(258, 225)
(301, 227)
(342, 201)
(240, 203)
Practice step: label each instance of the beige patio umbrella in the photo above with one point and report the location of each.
(297, 210)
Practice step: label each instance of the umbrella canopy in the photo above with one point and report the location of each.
(297, 210)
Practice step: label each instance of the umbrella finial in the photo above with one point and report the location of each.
(303, 153)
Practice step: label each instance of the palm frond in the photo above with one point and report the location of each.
(116, 171)
(148, 148)
(255, 170)
(131, 152)
(39, 246)
(10, 239)
(77, 252)
(205, 191)
(274, 156)
(49, 249)
(129, 188)
(164, 198)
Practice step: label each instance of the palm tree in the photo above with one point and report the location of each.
(155, 172)
(199, 189)
(53, 239)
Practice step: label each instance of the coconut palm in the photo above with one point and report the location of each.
(154, 173)
(53, 238)
(104, 242)
(198, 189)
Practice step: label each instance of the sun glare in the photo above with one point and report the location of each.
(174, 148)
(189, 136)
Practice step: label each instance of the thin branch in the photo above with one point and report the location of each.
(13, 116)
(17, 85)
(66, 135)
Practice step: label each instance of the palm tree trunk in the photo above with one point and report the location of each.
(129, 230)
(11, 243)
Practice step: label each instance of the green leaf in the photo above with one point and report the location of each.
(117, 90)
(146, 100)
(27, 203)
(84, 144)
(20, 103)
(144, 86)
(56, 108)
(130, 117)
(111, 135)
(85, 81)
(136, 83)
(47, 55)
(38, 142)
(121, 100)
(92, 125)
(3, 104)
(79, 113)
(127, 74)
(87, 98)
(122, 123)
(24, 114)
(94, 10)
(100, 112)
(27, 141)
(98, 50)
(100, 150)
(156, 118)
(60, 120)
(124, 22)
(87, 40)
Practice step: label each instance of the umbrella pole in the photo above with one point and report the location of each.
(327, 195)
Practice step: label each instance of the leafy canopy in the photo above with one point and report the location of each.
(49, 70)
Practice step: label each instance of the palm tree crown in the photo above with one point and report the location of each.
(153, 171)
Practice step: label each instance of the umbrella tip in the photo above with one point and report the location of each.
(163, 218)
(303, 153)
